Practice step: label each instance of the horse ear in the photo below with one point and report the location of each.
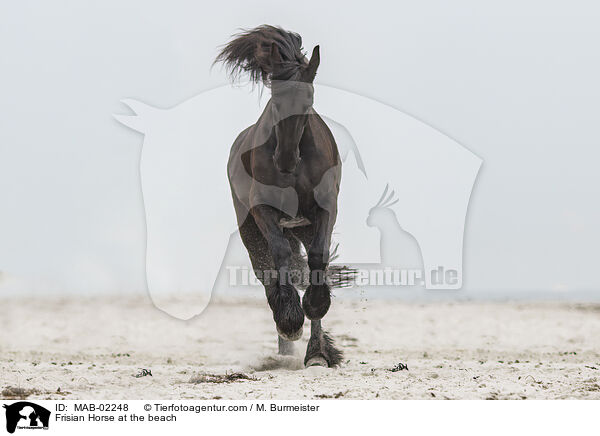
(275, 56)
(314, 62)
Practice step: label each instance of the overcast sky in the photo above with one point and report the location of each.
(515, 82)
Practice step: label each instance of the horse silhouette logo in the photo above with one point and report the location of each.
(192, 233)
(26, 415)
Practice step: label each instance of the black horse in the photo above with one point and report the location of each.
(285, 172)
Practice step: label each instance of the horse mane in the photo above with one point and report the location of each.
(249, 52)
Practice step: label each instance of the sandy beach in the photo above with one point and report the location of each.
(93, 348)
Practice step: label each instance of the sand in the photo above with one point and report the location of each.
(92, 348)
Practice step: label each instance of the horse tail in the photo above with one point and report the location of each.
(249, 52)
(336, 276)
(339, 276)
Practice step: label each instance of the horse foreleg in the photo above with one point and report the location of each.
(282, 296)
(317, 298)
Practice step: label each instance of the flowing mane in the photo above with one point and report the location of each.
(249, 52)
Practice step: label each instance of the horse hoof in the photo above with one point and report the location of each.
(287, 313)
(316, 302)
(294, 336)
(317, 361)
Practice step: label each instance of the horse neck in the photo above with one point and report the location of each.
(265, 116)
(263, 128)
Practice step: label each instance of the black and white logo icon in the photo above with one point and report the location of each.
(26, 415)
